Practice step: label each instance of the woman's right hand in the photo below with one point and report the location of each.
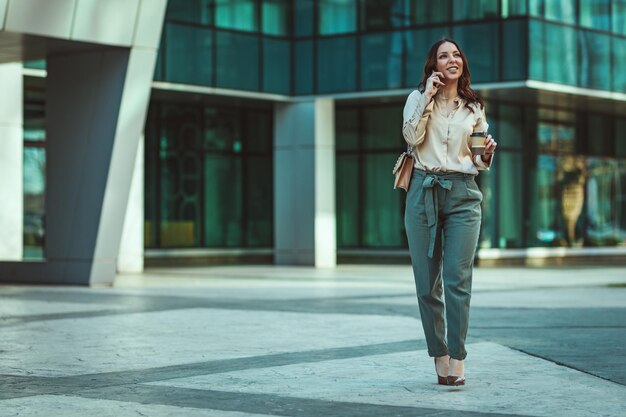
(433, 83)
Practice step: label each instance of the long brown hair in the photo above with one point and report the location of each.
(464, 89)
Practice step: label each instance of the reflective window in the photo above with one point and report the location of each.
(384, 14)
(475, 9)
(605, 203)
(595, 14)
(237, 61)
(479, 42)
(236, 14)
(336, 65)
(197, 11)
(304, 67)
(620, 137)
(425, 12)
(595, 60)
(187, 54)
(336, 16)
(348, 198)
(513, 8)
(536, 66)
(276, 66)
(618, 16)
(549, 62)
(303, 17)
(275, 17)
(599, 140)
(515, 41)
(510, 174)
(619, 65)
(559, 10)
(381, 60)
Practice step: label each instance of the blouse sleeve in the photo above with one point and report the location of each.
(482, 126)
(415, 116)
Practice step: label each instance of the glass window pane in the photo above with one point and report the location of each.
(197, 11)
(545, 227)
(513, 8)
(510, 194)
(34, 182)
(336, 65)
(276, 66)
(258, 132)
(559, 10)
(620, 138)
(303, 23)
(346, 129)
(618, 16)
(537, 51)
(475, 9)
(479, 42)
(561, 63)
(304, 67)
(337, 16)
(381, 60)
(236, 14)
(424, 12)
(515, 43)
(595, 14)
(237, 61)
(383, 210)
(418, 44)
(347, 195)
(604, 203)
(222, 201)
(510, 127)
(384, 14)
(620, 201)
(150, 176)
(555, 138)
(187, 54)
(619, 65)
(595, 60)
(222, 130)
(259, 201)
(275, 17)
(380, 129)
(571, 173)
(598, 134)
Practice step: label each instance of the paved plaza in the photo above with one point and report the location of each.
(285, 341)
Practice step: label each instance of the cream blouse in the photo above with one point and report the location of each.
(442, 143)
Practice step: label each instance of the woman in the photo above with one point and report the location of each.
(443, 212)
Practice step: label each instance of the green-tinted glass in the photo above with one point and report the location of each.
(346, 129)
(510, 127)
(197, 11)
(303, 17)
(510, 174)
(475, 9)
(187, 54)
(237, 61)
(383, 215)
(479, 42)
(515, 43)
(545, 226)
(304, 67)
(513, 8)
(559, 10)
(604, 206)
(38, 64)
(237, 14)
(259, 202)
(222, 201)
(258, 132)
(347, 194)
(382, 128)
(336, 16)
(384, 14)
(620, 139)
(595, 60)
(381, 60)
(275, 17)
(222, 130)
(595, 14)
(599, 140)
(336, 65)
(427, 12)
(618, 16)
(276, 66)
(537, 49)
(561, 59)
(34, 183)
(619, 65)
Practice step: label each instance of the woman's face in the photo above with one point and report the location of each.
(449, 61)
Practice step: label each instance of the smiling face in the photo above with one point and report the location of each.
(449, 61)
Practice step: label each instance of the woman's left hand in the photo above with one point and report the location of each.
(490, 148)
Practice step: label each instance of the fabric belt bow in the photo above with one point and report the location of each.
(432, 206)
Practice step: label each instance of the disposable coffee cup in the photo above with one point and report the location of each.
(477, 142)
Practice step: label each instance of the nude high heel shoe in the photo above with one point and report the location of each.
(441, 380)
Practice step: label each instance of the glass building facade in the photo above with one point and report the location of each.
(553, 75)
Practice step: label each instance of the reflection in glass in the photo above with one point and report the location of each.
(237, 61)
(275, 17)
(276, 66)
(618, 16)
(475, 9)
(619, 65)
(509, 197)
(513, 8)
(605, 203)
(571, 176)
(303, 17)
(424, 12)
(595, 14)
(303, 57)
(336, 16)
(381, 60)
(336, 65)
(559, 10)
(595, 60)
(384, 14)
(188, 54)
(197, 11)
(236, 14)
(347, 195)
(34, 201)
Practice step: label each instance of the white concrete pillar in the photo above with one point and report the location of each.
(11, 162)
(304, 184)
(130, 259)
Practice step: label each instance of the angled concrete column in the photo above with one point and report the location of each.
(130, 259)
(304, 184)
(11, 161)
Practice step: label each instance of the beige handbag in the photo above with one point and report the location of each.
(403, 170)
